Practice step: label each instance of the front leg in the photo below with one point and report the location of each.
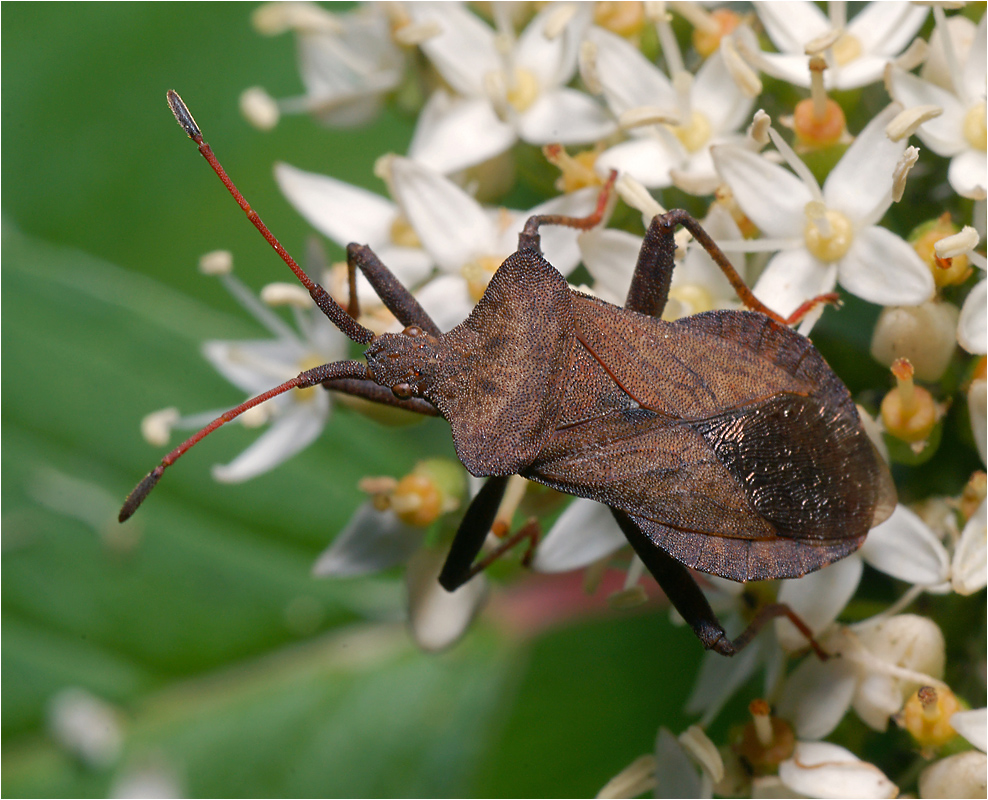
(398, 299)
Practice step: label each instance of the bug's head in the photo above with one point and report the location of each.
(404, 361)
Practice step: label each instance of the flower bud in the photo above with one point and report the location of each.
(925, 334)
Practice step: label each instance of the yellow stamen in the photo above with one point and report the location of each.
(974, 127)
(926, 715)
(908, 411)
(403, 234)
(706, 41)
(577, 170)
(695, 134)
(623, 18)
(523, 91)
(828, 233)
(846, 49)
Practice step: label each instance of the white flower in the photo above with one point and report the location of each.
(878, 663)
(348, 62)
(828, 235)
(697, 111)
(297, 417)
(821, 769)
(856, 52)
(959, 132)
(347, 213)
(959, 775)
(86, 726)
(905, 547)
(507, 89)
(469, 242)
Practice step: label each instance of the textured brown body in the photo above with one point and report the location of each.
(725, 436)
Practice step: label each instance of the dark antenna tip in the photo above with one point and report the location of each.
(141, 491)
(181, 112)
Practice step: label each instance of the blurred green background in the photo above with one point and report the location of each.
(231, 669)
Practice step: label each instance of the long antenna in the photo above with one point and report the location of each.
(311, 377)
(333, 310)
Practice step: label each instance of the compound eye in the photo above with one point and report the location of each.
(413, 331)
(402, 391)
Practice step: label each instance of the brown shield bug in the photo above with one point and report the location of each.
(721, 442)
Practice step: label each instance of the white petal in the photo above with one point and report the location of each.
(861, 181)
(771, 196)
(716, 96)
(863, 70)
(648, 159)
(372, 541)
(451, 225)
(972, 326)
(886, 28)
(255, 366)
(629, 80)
(944, 135)
(464, 51)
(960, 775)
(347, 214)
(817, 599)
(971, 556)
(551, 61)
(904, 547)
(721, 677)
(447, 300)
(677, 775)
(966, 174)
(455, 134)
(565, 116)
(584, 533)
(972, 726)
(291, 432)
(789, 67)
(791, 278)
(817, 695)
(610, 255)
(821, 769)
(973, 77)
(976, 406)
(882, 268)
(791, 25)
(336, 209)
(437, 617)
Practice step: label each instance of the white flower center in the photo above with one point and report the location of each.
(478, 274)
(695, 134)
(847, 49)
(522, 89)
(974, 127)
(828, 233)
(403, 234)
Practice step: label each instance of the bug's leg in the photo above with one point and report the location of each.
(688, 599)
(393, 294)
(529, 238)
(653, 273)
(472, 532)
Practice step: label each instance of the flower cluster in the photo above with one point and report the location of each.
(821, 152)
